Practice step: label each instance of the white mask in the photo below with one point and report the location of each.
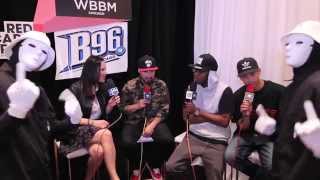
(298, 49)
(33, 54)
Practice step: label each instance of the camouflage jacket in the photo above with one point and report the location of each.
(158, 107)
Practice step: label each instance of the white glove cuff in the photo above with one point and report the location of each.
(75, 120)
(17, 112)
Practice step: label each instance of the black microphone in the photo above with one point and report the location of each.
(191, 93)
(111, 88)
(147, 94)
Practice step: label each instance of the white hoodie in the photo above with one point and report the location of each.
(208, 99)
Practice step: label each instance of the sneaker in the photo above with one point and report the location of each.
(135, 175)
(156, 174)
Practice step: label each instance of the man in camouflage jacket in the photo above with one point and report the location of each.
(145, 100)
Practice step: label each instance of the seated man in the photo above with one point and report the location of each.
(145, 100)
(209, 116)
(245, 139)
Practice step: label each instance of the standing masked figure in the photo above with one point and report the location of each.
(25, 110)
(294, 159)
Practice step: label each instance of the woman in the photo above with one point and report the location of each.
(96, 105)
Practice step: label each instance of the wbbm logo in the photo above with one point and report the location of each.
(96, 7)
(108, 43)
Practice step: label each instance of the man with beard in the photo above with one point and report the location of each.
(297, 158)
(145, 100)
(209, 115)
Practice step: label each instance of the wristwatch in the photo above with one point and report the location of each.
(197, 112)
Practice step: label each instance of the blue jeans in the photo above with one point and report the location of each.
(240, 148)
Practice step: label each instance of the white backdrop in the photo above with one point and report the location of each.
(233, 29)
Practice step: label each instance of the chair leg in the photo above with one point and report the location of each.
(56, 162)
(237, 174)
(164, 172)
(225, 171)
(69, 169)
(128, 168)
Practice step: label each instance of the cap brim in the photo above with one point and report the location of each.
(8, 49)
(196, 66)
(248, 71)
(148, 69)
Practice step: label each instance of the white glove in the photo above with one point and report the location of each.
(309, 131)
(22, 94)
(71, 106)
(265, 124)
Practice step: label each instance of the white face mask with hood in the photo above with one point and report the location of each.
(33, 54)
(298, 48)
(299, 42)
(35, 51)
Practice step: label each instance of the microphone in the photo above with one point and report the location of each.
(147, 100)
(249, 94)
(191, 93)
(147, 94)
(112, 88)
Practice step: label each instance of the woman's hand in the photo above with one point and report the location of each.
(99, 123)
(113, 101)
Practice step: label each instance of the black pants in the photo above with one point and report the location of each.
(155, 153)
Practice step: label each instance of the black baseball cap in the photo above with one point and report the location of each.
(247, 65)
(147, 63)
(205, 62)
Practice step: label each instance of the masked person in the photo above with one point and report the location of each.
(25, 110)
(145, 100)
(209, 117)
(296, 158)
(245, 139)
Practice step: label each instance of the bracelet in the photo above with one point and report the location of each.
(89, 122)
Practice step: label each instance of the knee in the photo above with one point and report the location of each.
(96, 152)
(229, 157)
(171, 167)
(128, 142)
(129, 145)
(106, 135)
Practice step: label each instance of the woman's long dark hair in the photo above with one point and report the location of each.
(90, 75)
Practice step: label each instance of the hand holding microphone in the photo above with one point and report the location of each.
(113, 92)
(191, 95)
(22, 94)
(265, 124)
(309, 131)
(142, 103)
(246, 107)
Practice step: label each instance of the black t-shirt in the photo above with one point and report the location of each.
(226, 103)
(269, 96)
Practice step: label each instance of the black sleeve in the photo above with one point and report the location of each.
(47, 112)
(226, 104)
(238, 98)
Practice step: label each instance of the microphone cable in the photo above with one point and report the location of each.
(189, 148)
